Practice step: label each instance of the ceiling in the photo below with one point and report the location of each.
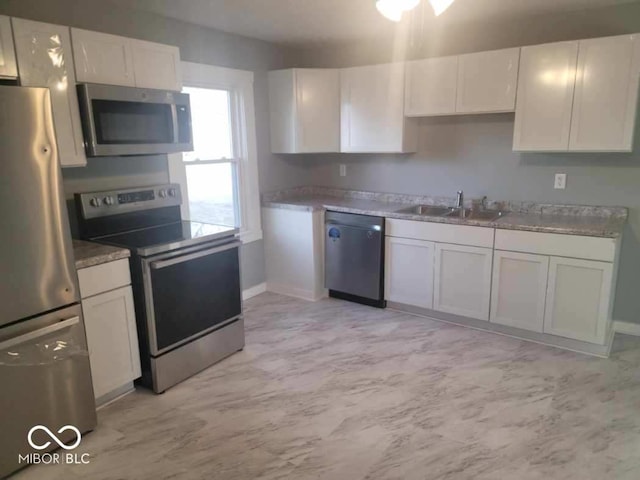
(303, 22)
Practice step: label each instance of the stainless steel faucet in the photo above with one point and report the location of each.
(460, 199)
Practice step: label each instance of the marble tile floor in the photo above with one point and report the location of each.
(334, 390)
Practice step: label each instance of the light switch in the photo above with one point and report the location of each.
(343, 170)
(561, 181)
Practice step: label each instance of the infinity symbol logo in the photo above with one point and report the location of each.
(54, 437)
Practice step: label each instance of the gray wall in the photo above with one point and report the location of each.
(474, 152)
(197, 44)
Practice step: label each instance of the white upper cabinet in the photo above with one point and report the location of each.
(44, 59)
(487, 81)
(115, 60)
(372, 110)
(431, 86)
(606, 94)
(156, 65)
(8, 68)
(545, 97)
(304, 110)
(102, 58)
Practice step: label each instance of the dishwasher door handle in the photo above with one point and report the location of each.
(373, 228)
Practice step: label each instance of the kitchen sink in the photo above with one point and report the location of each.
(426, 210)
(480, 215)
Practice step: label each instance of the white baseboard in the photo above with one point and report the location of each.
(253, 291)
(296, 292)
(627, 328)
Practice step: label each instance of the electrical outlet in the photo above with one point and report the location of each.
(343, 170)
(560, 181)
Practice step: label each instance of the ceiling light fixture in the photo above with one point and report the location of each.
(440, 6)
(393, 9)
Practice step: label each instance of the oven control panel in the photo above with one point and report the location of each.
(106, 203)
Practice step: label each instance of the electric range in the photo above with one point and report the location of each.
(185, 279)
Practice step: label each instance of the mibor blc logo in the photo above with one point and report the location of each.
(53, 437)
(55, 458)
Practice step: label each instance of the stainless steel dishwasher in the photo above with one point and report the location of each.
(354, 258)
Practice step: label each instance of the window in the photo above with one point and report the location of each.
(219, 178)
(212, 168)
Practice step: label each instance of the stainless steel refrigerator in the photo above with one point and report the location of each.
(45, 378)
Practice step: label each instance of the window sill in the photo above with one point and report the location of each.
(250, 236)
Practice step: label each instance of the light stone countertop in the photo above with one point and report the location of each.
(607, 222)
(90, 254)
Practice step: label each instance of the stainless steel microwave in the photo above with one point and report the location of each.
(134, 121)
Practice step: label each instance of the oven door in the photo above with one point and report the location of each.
(134, 121)
(191, 293)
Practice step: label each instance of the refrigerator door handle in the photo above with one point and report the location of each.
(41, 332)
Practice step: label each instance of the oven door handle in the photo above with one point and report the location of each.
(158, 264)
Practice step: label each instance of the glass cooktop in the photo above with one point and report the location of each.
(169, 237)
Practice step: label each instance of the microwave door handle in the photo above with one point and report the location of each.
(174, 117)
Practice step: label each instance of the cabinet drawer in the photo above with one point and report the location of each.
(440, 232)
(574, 246)
(105, 277)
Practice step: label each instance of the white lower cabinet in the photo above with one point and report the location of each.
(579, 299)
(112, 339)
(462, 284)
(409, 271)
(110, 324)
(294, 252)
(519, 290)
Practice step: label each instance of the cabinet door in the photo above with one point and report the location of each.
(156, 65)
(578, 299)
(282, 111)
(519, 289)
(606, 97)
(372, 109)
(409, 271)
(318, 110)
(102, 58)
(294, 252)
(431, 86)
(8, 66)
(462, 280)
(487, 81)
(44, 59)
(545, 96)
(112, 339)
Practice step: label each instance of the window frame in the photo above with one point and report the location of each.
(239, 84)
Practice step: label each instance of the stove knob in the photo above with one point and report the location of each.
(172, 192)
(109, 201)
(95, 202)
(162, 193)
